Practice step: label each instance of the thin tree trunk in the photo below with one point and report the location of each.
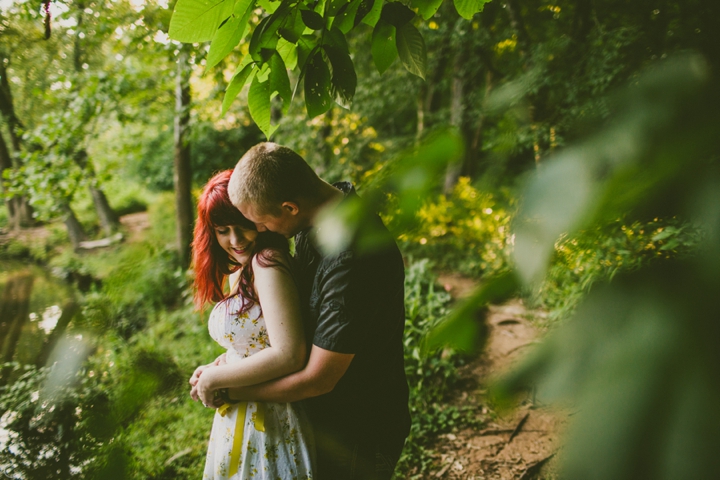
(457, 110)
(477, 141)
(21, 213)
(72, 224)
(5, 164)
(108, 218)
(182, 175)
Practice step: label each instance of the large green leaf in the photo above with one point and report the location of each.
(293, 26)
(384, 50)
(334, 6)
(344, 79)
(259, 105)
(468, 8)
(269, 5)
(237, 82)
(312, 20)
(288, 52)
(411, 48)
(317, 86)
(265, 34)
(427, 8)
(374, 15)
(364, 8)
(345, 20)
(229, 34)
(198, 20)
(395, 13)
(279, 81)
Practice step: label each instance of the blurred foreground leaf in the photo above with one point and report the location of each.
(462, 329)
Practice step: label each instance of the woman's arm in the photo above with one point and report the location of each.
(286, 354)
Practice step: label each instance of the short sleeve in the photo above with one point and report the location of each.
(342, 318)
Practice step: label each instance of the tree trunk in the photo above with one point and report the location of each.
(182, 174)
(5, 164)
(477, 141)
(72, 224)
(20, 211)
(108, 218)
(457, 109)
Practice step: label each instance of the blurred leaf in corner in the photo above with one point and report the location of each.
(638, 361)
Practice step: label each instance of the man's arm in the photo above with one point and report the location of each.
(322, 372)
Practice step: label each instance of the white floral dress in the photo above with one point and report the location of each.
(254, 440)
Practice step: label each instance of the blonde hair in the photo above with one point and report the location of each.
(270, 174)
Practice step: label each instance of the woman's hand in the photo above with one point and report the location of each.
(205, 391)
(220, 360)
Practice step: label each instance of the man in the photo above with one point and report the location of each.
(353, 386)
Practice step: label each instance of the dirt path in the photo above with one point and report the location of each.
(520, 444)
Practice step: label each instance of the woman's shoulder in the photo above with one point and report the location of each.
(272, 257)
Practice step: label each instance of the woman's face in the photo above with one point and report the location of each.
(237, 241)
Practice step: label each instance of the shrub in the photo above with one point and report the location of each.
(600, 253)
(467, 232)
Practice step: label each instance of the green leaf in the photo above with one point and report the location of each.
(461, 329)
(237, 83)
(229, 34)
(364, 8)
(265, 34)
(374, 15)
(198, 20)
(411, 49)
(344, 78)
(336, 37)
(259, 105)
(468, 8)
(312, 19)
(293, 26)
(305, 46)
(288, 52)
(427, 8)
(397, 14)
(269, 5)
(317, 86)
(345, 20)
(334, 6)
(384, 50)
(279, 80)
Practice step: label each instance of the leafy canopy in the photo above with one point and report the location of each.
(307, 37)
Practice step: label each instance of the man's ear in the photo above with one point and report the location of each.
(291, 207)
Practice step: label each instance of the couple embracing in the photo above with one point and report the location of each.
(313, 383)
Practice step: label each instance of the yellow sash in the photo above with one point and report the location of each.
(258, 420)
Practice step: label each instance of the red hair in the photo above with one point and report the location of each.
(212, 264)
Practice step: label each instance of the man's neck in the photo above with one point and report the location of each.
(328, 197)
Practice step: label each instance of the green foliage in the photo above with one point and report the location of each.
(598, 254)
(312, 34)
(637, 357)
(468, 232)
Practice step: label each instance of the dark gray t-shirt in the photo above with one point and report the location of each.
(355, 305)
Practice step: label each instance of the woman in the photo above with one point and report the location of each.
(259, 323)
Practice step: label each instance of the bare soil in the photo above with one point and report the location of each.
(519, 444)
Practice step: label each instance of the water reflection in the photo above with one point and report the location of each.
(35, 310)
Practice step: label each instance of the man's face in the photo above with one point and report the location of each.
(286, 224)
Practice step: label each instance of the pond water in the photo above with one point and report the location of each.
(35, 310)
